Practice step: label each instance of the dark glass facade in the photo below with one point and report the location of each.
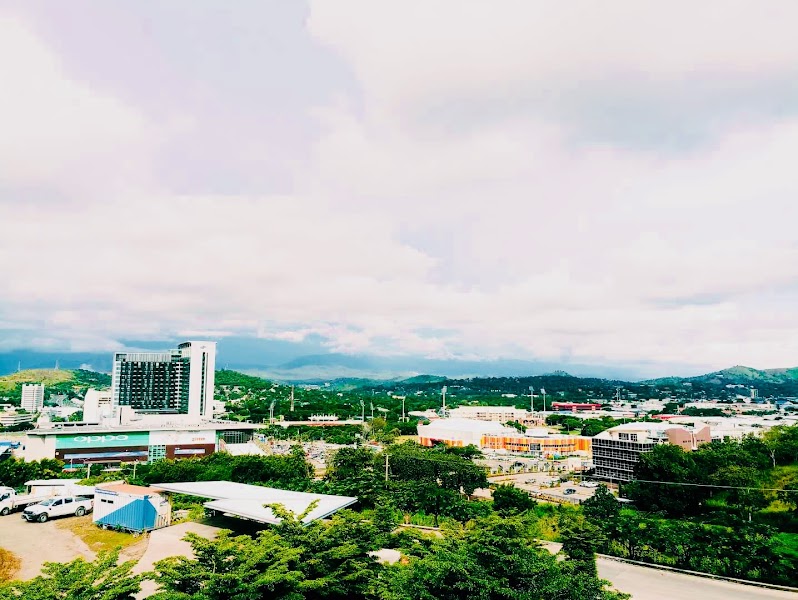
(153, 385)
(616, 459)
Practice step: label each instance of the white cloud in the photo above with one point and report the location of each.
(437, 216)
(57, 132)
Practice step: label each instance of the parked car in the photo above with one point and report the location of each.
(589, 484)
(569, 491)
(59, 506)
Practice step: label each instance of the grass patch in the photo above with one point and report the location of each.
(96, 538)
(787, 544)
(9, 565)
(401, 439)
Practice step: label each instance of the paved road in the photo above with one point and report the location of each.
(645, 583)
(651, 584)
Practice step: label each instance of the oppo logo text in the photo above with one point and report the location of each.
(100, 438)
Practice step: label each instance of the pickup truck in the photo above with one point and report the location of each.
(58, 506)
(10, 500)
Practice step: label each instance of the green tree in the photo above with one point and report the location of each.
(509, 499)
(354, 472)
(102, 579)
(670, 464)
(581, 539)
(495, 559)
(232, 567)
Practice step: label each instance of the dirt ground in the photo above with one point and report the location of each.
(38, 543)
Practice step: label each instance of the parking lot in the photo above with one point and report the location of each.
(548, 487)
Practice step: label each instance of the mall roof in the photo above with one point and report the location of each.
(247, 501)
(82, 429)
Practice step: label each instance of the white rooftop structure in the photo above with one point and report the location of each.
(247, 501)
(462, 431)
(502, 414)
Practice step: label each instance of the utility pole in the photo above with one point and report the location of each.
(404, 418)
(362, 411)
(135, 462)
(531, 399)
(372, 411)
(386, 467)
(543, 393)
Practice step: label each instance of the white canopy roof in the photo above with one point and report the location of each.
(247, 501)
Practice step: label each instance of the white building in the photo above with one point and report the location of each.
(97, 405)
(178, 381)
(460, 432)
(11, 418)
(32, 397)
(500, 414)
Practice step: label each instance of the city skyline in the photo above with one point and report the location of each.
(560, 184)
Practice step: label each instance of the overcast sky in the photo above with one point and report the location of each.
(607, 182)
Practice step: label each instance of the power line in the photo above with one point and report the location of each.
(710, 485)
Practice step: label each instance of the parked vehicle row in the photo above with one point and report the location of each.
(47, 498)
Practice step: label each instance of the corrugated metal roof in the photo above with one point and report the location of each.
(125, 488)
(247, 501)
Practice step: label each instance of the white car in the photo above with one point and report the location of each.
(59, 506)
(589, 484)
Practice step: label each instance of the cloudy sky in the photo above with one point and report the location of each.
(607, 183)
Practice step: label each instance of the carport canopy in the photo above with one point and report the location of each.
(248, 501)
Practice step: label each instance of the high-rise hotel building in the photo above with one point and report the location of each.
(176, 381)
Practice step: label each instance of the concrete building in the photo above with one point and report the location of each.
(134, 440)
(500, 414)
(98, 405)
(616, 451)
(539, 442)
(490, 435)
(178, 381)
(11, 418)
(574, 406)
(459, 432)
(32, 397)
(727, 428)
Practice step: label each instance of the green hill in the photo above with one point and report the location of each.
(56, 381)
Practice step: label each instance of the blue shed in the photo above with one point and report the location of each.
(130, 508)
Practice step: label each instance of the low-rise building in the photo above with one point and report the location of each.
(490, 435)
(143, 440)
(500, 414)
(12, 418)
(616, 451)
(574, 406)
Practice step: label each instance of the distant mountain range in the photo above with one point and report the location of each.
(286, 362)
(737, 375)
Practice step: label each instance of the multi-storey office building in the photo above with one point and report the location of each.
(32, 397)
(176, 381)
(616, 451)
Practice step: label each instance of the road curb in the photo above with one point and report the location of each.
(760, 584)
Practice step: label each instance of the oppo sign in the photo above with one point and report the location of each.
(103, 440)
(100, 438)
